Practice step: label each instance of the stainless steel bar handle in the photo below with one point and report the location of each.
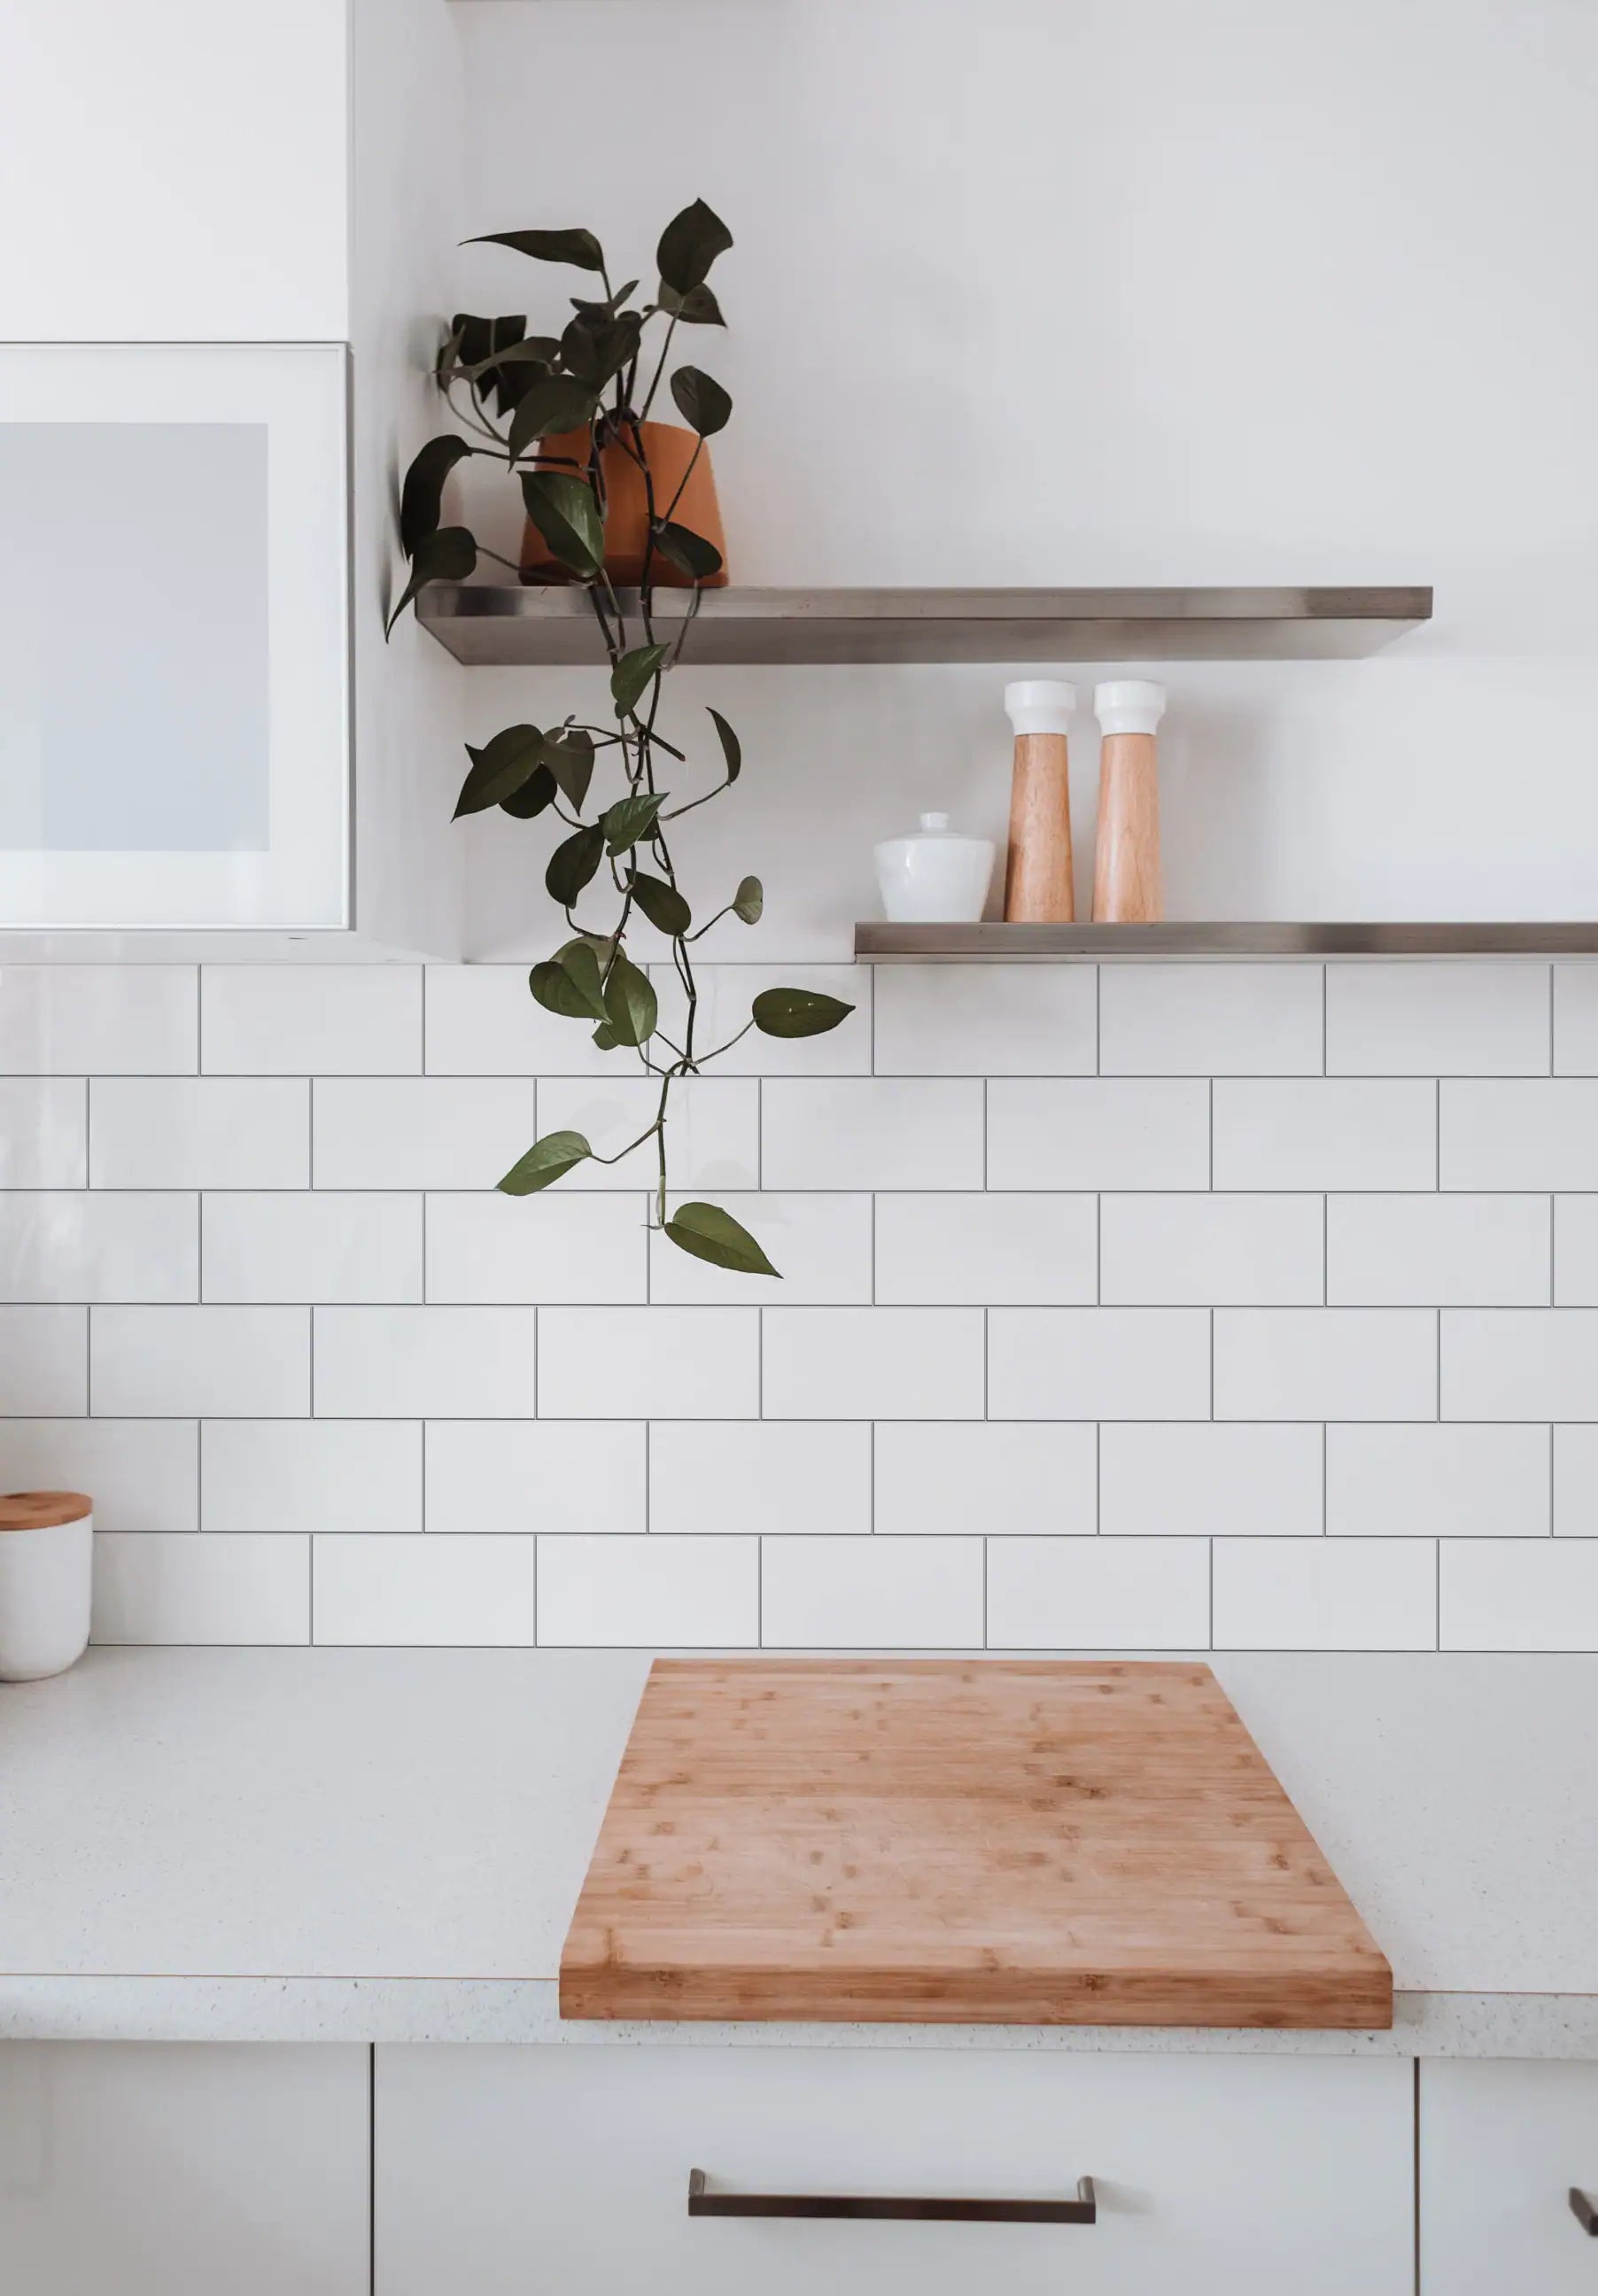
(1584, 2210)
(1083, 2210)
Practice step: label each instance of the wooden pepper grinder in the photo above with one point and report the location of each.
(1037, 874)
(1127, 884)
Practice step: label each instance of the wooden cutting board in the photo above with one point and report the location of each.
(953, 1840)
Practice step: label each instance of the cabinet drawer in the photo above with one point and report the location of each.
(566, 2169)
(1501, 2147)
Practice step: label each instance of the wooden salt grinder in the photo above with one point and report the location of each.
(1037, 873)
(1127, 884)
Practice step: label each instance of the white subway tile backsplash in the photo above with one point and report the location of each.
(1201, 1251)
(317, 1246)
(727, 996)
(872, 1132)
(1206, 1479)
(44, 1132)
(1408, 1018)
(310, 1019)
(1519, 1363)
(951, 1251)
(337, 1475)
(650, 1363)
(1325, 1593)
(98, 1020)
(819, 1244)
(857, 1593)
(535, 1475)
(421, 1132)
(44, 1361)
(199, 1132)
(1099, 1132)
(1442, 1481)
(1098, 1593)
(423, 1363)
(1325, 1363)
(1325, 1133)
(713, 1129)
(1576, 1252)
(1004, 1479)
(1537, 1134)
(198, 1363)
(187, 1587)
(873, 1362)
(483, 1020)
(76, 1246)
(1508, 1594)
(473, 1593)
(741, 1475)
(1576, 1019)
(985, 1020)
(1575, 1481)
(1098, 1363)
(1209, 1020)
(1441, 1251)
(141, 1473)
(648, 1594)
(525, 1249)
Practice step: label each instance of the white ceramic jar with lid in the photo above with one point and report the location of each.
(935, 877)
(46, 1567)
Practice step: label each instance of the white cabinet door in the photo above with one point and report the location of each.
(563, 2171)
(173, 652)
(135, 2170)
(1501, 2145)
(174, 170)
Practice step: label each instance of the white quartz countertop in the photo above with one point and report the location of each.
(344, 1844)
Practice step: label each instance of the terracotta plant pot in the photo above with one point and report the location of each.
(669, 451)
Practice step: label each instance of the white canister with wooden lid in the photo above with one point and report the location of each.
(46, 1573)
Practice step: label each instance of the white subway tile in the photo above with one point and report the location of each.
(820, 1245)
(311, 1475)
(713, 1130)
(44, 1132)
(483, 1020)
(1403, 1482)
(873, 1362)
(99, 1019)
(78, 1245)
(1099, 1132)
(421, 1132)
(1098, 1593)
(1325, 1363)
(141, 1473)
(648, 1594)
(1196, 1250)
(1325, 1133)
(1520, 1363)
(948, 1250)
(1209, 1020)
(726, 993)
(199, 1363)
(310, 1019)
(313, 1246)
(980, 1475)
(1210, 1480)
(44, 1361)
(1443, 1252)
(1576, 1252)
(1325, 1593)
(420, 1363)
(1098, 1363)
(534, 1475)
(1511, 1595)
(199, 1132)
(872, 1132)
(650, 1363)
(870, 1594)
(473, 1593)
(985, 1020)
(742, 1475)
(1575, 1481)
(1405, 1018)
(1576, 1019)
(513, 1249)
(187, 1586)
(1540, 1135)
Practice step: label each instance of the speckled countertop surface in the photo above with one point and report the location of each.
(344, 1844)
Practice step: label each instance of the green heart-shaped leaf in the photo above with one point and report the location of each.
(797, 1012)
(629, 819)
(563, 509)
(421, 497)
(604, 1038)
(449, 555)
(568, 983)
(580, 249)
(632, 673)
(570, 757)
(596, 348)
(732, 748)
(551, 402)
(711, 1234)
(572, 864)
(689, 551)
(500, 768)
(749, 900)
(661, 904)
(488, 352)
(698, 308)
(631, 1009)
(546, 1160)
(702, 402)
(689, 245)
(532, 797)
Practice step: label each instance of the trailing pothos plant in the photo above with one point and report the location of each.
(616, 789)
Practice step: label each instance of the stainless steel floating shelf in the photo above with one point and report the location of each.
(540, 626)
(884, 942)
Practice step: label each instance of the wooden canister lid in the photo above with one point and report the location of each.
(40, 1509)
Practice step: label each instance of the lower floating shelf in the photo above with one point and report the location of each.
(1202, 938)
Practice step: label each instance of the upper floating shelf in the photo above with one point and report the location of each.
(1200, 937)
(513, 626)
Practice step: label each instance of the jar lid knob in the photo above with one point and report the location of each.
(934, 821)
